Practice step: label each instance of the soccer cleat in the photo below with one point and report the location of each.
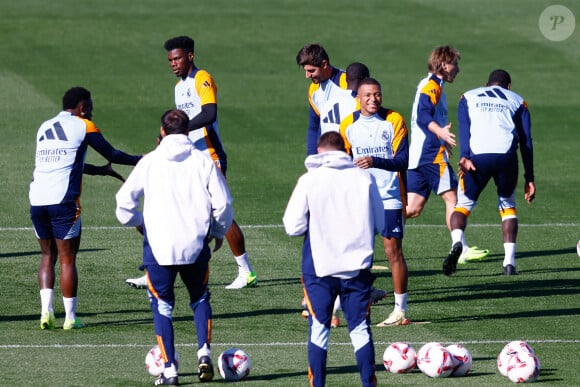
(397, 317)
(205, 369)
(450, 263)
(473, 253)
(72, 324)
(163, 381)
(47, 320)
(138, 283)
(510, 270)
(334, 322)
(377, 295)
(246, 280)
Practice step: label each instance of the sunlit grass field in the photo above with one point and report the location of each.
(115, 49)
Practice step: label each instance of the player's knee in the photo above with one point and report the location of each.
(164, 309)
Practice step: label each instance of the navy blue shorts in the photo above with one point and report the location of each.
(195, 277)
(355, 296)
(59, 221)
(438, 178)
(394, 224)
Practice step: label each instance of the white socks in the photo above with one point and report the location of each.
(203, 351)
(400, 302)
(510, 254)
(244, 266)
(46, 300)
(70, 307)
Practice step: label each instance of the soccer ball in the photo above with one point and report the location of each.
(399, 358)
(523, 367)
(509, 350)
(155, 364)
(233, 364)
(435, 361)
(462, 359)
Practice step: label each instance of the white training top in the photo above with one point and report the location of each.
(186, 199)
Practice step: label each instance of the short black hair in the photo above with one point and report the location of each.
(73, 96)
(356, 72)
(369, 81)
(499, 77)
(175, 121)
(184, 42)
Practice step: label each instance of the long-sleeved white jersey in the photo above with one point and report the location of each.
(339, 208)
(186, 199)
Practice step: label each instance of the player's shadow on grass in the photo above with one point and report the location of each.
(36, 253)
(491, 258)
(519, 315)
(268, 282)
(500, 290)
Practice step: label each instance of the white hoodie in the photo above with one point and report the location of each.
(185, 199)
(339, 205)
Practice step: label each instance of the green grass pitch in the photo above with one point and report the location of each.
(114, 48)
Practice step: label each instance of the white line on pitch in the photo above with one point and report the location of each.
(267, 226)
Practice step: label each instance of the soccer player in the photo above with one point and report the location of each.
(432, 141)
(329, 201)
(186, 204)
(341, 104)
(376, 137)
(493, 120)
(61, 146)
(314, 59)
(196, 94)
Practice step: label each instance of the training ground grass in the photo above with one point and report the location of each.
(114, 48)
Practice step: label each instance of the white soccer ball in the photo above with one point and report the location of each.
(462, 359)
(155, 364)
(509, 350)
(523, 367)
(399, 358)
(435, 361)
(233, 364)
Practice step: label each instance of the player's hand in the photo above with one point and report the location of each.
(363, 162)
(448, 137)
(465, 165)
(529, 191)
(218, 243)
(111, 172)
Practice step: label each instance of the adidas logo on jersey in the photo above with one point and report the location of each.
(58, 133)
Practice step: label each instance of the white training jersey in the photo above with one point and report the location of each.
(60, 156)
(490, 111)
(377, 136)
(430, 104)
(340, 104)
(191, 94)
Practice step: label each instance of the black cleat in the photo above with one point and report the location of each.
(510, 270)
(450, 263)
(163, 381)
(205, 369)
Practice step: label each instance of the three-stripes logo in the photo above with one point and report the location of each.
(494, 93)
(56, 132)
(333, 116)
